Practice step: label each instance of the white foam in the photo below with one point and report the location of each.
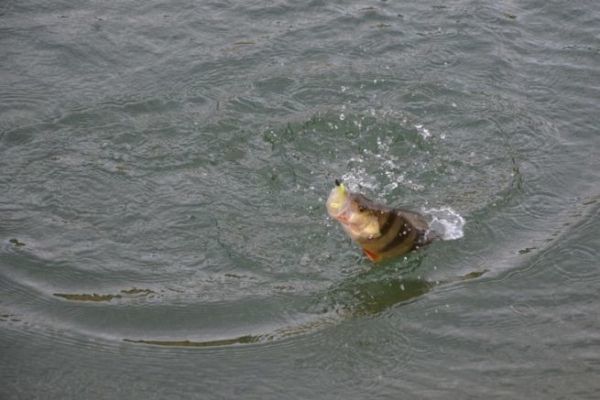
(446, 222)
(424, 132)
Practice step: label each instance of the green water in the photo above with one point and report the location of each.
(163, 174)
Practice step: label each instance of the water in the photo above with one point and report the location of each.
(163, 173)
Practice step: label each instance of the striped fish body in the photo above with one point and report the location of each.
(382, 232)
(401, 232)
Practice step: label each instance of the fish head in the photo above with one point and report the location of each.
(338, 201)
(359, 217)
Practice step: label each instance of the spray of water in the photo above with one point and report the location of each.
(446, 222)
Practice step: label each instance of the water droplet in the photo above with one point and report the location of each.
(446, 222)
(304, 260)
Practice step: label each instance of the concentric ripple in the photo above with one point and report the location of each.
(201, 264)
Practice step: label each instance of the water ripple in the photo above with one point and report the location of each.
(163, 174)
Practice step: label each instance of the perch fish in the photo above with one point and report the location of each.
(381, 231)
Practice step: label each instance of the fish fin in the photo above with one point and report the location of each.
(372, 256)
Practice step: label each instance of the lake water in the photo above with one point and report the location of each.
(164, 168)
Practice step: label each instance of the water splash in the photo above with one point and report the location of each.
(446, 222)
(424, 132)
(390, 172)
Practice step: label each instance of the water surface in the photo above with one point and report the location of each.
(163, 173)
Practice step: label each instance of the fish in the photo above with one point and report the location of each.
(382, 232)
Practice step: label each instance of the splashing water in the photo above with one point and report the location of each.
(446, 222)
(381, 171)
(389, 175)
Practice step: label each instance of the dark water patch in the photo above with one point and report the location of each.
(9, 317)
(137, 291)
(16, 242)
(87, 297)
(527, 250)
(94, 297)
(188, 343)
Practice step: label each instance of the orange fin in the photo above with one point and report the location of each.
(372, 256)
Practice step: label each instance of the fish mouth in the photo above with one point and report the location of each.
(338, 203)
(343, 217)
(343, 214)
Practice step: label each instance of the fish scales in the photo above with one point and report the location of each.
(381, 231)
